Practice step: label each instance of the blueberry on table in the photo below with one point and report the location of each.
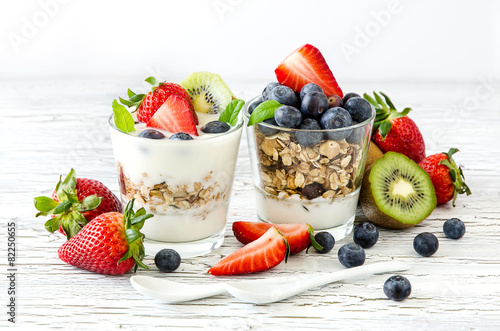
(167, 260)
(267, 89)
(284, 95)
(181, 136)
(397, 288)
(254, 105)
(335, 101)
(215, 127)
(267, 131)
(310, 87)
(351, 255)
(349, 95)
(359, 109)
(425, 244)
(314, 104)
(151, 134)
(336, 118)
(365, 234)
(326, 240)
(454, 228)
(307, 136)
(288, 117)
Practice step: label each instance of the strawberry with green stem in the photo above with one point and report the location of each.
(110, 244)
(75, 202)
(395, 131)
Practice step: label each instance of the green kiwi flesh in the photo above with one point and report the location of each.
(397, 193)
(208, 92)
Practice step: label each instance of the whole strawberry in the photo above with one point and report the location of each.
(110, 244)
(75, 202)
(394, 131)
(147, 104)
(446, 176)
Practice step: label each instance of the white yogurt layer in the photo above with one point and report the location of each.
(320, 213)
(208, 161)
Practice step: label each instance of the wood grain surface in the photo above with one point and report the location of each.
(49, 127)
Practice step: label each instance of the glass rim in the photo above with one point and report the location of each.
(359, 125)
(232, 129)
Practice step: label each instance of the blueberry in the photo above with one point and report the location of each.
(314, 104)
(267, 131)
(310, 87)
(326, 240)
(284, 95)
(365, 234)
(425, 244)
(151, 134)
(336, 118)
(335, 101)
(454, 228)
(269, 87)
(312, 191)
(215, 127)
(181, 136)
(356, 135)
(359, 108)
(254, 105)
(305, 136)
(349, 95)
(167, 260)
(397, 288)
(351, 255)
(288, 117)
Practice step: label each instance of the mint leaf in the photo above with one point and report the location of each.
(263, 111)
(230, 114)
(123, 119)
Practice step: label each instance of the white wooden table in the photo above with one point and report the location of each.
(49, 127)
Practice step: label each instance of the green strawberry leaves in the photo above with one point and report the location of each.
(456, 175)
(123, 119)
(134, 221)
(263, 111)
(67, 211)
(386, 111)
(230, 114)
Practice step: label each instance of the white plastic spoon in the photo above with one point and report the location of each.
(267, 293)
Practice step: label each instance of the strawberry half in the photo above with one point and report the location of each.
(147, 104)
(262, 254)
(174, 116)
(110, 244)
(299, 236)
(307, 65)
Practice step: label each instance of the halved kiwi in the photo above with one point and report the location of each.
(208, 92)
(397, 193)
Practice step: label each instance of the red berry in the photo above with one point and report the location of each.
(174, 116)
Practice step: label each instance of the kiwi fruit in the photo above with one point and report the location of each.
(397, 193)
(374, 153)
(208, 92)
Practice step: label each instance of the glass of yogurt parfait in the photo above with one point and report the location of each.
(183, 179)
(308, 175)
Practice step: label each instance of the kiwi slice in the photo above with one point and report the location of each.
(208, 92)
(397, 193)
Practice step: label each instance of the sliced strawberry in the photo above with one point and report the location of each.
(307, 65)
(264, 253)
(174, 116)
(299, 236)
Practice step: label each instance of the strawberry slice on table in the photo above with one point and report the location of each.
(174, 116)
(262, 254)
(395, 131)
(307, 65)
(110, 244)
(147, 104)
(446, 176)
(75, 202)
(299, 236)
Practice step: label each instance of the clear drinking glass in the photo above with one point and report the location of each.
(186, 184)
(317, 181)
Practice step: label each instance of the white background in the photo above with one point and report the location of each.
(382, 40)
